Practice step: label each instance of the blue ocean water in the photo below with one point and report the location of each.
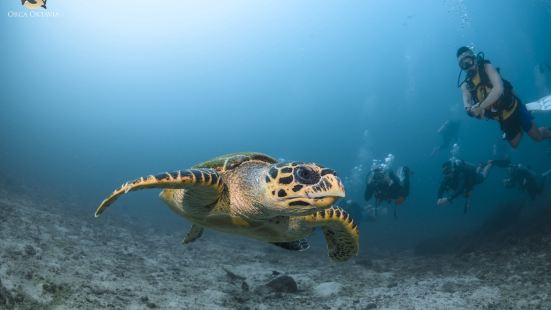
(100, 92)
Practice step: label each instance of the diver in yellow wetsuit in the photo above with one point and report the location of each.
(487, 95)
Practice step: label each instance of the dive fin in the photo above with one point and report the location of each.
(541, 105)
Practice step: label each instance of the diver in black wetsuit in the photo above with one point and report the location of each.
(448, 131)
(386, 185)
(460, 178)
(525, 179)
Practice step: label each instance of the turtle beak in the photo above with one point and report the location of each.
(329, 186)
(327, 191)
(330, 193)
(327, 198)
(324, 202)
(335, 193)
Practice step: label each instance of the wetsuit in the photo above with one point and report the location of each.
(525, 179)
(385, 185)
(508, 110)
(460, 180)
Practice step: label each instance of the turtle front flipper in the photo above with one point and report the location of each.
(340, 231)
(208, 180)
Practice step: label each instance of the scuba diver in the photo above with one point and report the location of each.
(487, 95)
(524, 178)
(448, 131)
(386, 185)
(460, 178)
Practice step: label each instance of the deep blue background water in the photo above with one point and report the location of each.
(107, 91)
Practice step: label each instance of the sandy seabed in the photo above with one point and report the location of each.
(52, 258)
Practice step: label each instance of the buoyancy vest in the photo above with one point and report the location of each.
(479, 85)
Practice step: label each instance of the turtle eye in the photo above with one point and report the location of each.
(306, 175)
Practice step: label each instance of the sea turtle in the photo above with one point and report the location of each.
(252, 195)
(34, 4)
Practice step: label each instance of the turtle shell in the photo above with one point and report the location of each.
(233, 160)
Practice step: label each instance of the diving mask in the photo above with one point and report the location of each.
(467, 62)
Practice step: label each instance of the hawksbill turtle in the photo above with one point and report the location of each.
(253, 195)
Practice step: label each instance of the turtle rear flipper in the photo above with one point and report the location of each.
(193, 234)
(341, 233)
(297, 245)
(202, 184)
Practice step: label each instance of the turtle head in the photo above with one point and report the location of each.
(296, 188)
